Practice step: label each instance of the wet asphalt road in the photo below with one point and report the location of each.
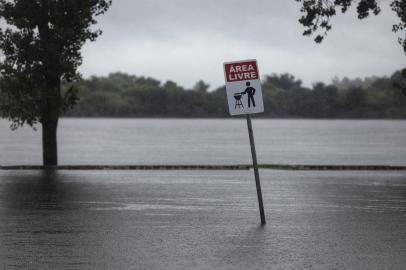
(202, 220)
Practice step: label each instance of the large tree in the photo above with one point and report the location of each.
(41, 48)
(317, 14)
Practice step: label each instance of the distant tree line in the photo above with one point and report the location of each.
(123, 95)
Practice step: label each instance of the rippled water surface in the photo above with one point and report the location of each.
(225, 141)
(201, 220)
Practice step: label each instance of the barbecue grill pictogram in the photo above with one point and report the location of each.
(238, 102)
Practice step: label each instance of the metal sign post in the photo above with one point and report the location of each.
(244, 96)
(255, 164)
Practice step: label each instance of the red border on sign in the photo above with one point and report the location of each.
(241, 71)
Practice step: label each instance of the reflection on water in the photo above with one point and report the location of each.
(41, 190)
(36, 220)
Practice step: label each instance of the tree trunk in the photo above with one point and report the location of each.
(52, 87)
(49, 141)
(49, 121)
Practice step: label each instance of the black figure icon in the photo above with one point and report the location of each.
(238, 103)
(250, 91)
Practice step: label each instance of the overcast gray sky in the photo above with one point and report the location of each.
(188, 40)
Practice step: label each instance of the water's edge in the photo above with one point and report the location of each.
(211, 167)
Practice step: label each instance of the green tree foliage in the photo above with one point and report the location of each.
(122, 95)
(201, 86)
(41, 49)
(318, 13)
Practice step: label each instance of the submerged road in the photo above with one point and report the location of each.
(202, 220)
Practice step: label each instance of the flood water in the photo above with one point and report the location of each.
(202, 220)
(213, 141)
(197, 219)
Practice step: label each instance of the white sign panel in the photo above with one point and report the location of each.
(243, 87)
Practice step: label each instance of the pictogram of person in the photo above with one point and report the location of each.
(250, 91)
